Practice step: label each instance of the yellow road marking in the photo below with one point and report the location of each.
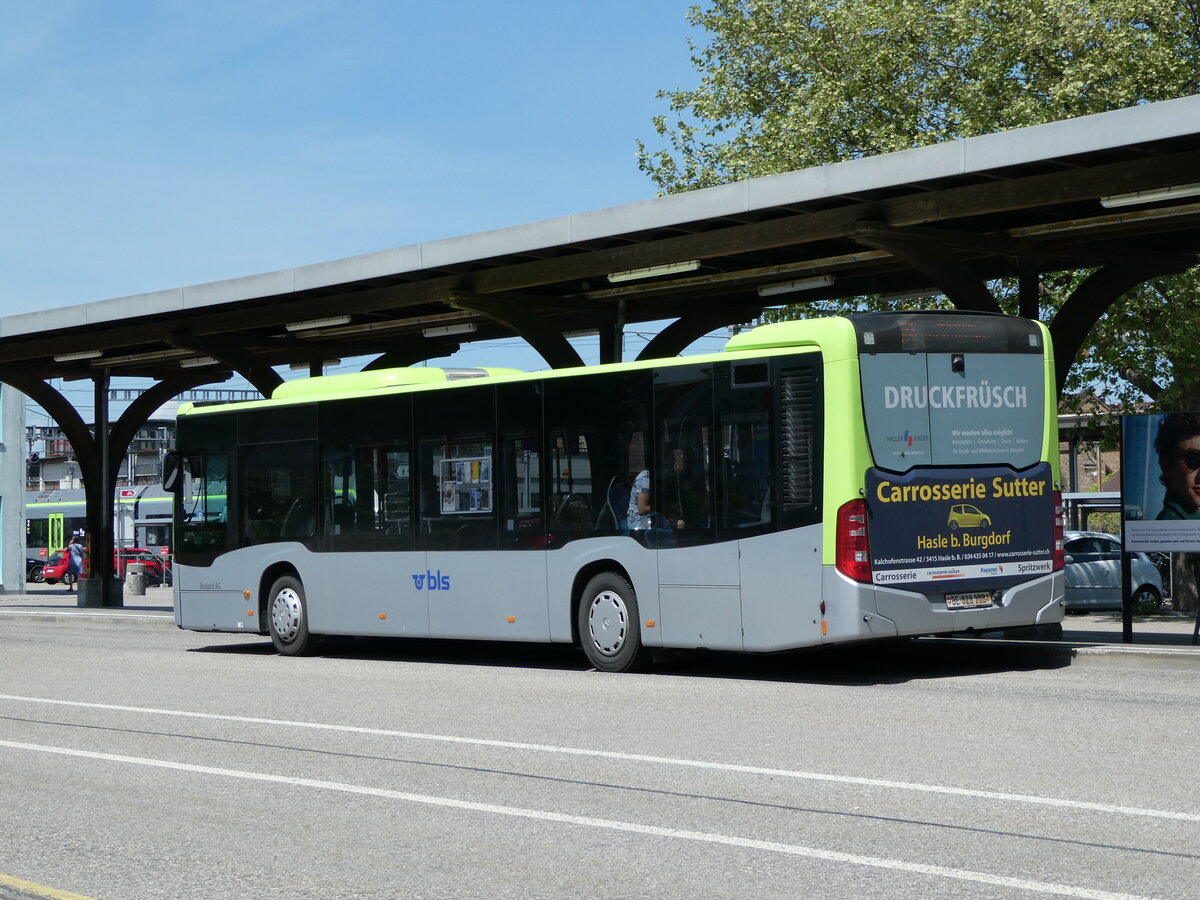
(40, 890)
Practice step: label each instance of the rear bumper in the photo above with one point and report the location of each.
(1037, 602)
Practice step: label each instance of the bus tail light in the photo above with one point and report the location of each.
(853, 549)
(1060, 555)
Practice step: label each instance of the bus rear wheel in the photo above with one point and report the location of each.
(288, 616)
(609, 629)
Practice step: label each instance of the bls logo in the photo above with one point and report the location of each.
(432, 581)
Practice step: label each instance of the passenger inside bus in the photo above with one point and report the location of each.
(639, 500)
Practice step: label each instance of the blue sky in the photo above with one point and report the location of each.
(149, 145)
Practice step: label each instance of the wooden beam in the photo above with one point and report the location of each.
(939, 264)
(677, 336)
(526, 320)
(1087, 304)
(916, 209)
(235, 356)
(136, 414)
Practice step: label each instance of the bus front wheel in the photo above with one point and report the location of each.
(608, 625)
(288, 616)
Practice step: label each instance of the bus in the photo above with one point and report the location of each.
(141, 518)
(807, 485)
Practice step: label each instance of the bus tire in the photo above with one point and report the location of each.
(287, 614)
(609, 630)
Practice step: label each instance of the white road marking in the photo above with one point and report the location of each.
(638, 757)
(895, 865)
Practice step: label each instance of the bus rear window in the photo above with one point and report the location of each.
(953, 409)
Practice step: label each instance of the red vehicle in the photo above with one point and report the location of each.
(158, 569)
(55, 568)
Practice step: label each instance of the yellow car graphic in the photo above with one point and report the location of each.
(964, 515)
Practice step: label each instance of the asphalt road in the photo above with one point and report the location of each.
(146, 762)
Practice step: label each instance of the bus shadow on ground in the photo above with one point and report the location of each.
(424, 650)
(882, 662)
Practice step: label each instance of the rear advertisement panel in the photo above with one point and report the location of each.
(960, 529)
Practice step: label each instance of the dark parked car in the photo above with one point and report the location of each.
(33, 569)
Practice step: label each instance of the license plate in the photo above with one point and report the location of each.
(968, 601)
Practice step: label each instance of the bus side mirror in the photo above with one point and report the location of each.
(173, 471)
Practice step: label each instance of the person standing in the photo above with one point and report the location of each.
(74, 563)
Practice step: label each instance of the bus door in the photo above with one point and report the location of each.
(775, 435)
(698, 574)
(368, 524)
(474, 451)
(54, 540)
(205, 536)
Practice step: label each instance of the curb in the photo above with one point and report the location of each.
(98, 616)
(1133, 657)
(1081, 653)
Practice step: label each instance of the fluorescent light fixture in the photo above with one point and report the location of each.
(196, 362)
(154, 356)
(304, 367)
(330, 322)
(787, 287)
(1135, 198)
(447, 330)
(81, 354)
(689, 265)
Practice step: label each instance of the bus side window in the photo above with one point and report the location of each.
(683, 477)
(519, 479)
(746, 474)
(280, 494)
(368, 505)
(341, 484)
(597, 428)
(458, 492)
(391, 496)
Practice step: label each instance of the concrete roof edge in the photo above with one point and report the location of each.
(1117, 128)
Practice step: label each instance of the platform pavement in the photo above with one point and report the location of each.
(1090, 639)
(53, 600)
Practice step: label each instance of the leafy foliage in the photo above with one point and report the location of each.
(792, 84)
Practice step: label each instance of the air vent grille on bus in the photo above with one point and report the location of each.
(797, 416)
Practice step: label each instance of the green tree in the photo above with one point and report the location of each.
(791, 84)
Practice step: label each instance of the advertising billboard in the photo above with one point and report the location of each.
(960, 529)
(1160, 482)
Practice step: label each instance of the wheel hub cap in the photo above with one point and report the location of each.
(608, 622)
(287, 614)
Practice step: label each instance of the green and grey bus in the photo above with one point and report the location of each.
(808, 485)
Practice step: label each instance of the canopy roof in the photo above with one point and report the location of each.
(942, 217)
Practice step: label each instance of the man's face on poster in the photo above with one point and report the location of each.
(1181, 470)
